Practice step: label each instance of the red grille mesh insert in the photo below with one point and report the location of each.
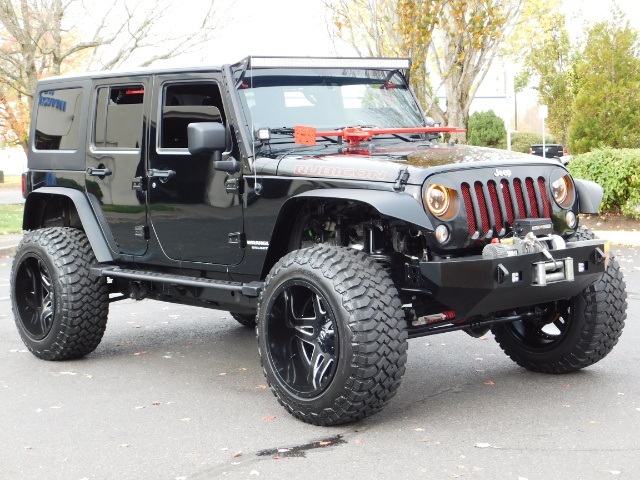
(482, 206)
(468, 206)
(507, 201)
(517, 184)
(546, 206)
(531, 191)
(495, 205)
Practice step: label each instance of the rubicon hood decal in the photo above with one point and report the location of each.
(339, 172)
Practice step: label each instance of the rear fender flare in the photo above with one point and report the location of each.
(90, 223)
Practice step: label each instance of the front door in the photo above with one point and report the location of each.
(195, 211)
(115, 162)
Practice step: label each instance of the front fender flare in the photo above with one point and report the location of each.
(589, 195)
(401, 206)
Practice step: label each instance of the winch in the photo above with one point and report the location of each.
(545, 272)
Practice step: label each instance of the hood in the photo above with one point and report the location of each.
(385, 162)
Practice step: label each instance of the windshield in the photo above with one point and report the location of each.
(327, 99)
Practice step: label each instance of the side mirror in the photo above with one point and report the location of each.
(206, 137)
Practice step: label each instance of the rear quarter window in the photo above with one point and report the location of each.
(58, 119)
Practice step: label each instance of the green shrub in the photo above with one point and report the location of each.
(521, 141)
(618, 173)
(485, 129)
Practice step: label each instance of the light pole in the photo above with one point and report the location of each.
(543, 112)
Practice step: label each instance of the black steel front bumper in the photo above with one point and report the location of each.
(477, 285)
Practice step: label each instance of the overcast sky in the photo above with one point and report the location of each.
(298, 27)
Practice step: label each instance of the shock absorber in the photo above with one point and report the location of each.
(434, 318)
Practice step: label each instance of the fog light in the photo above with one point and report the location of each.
(442, 234)
(263, 134)
(571, 219)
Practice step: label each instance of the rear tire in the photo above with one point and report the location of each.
(244, 319)
(332, 335)
(61, 313)
(578, 332)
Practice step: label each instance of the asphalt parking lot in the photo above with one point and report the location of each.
(176, 392)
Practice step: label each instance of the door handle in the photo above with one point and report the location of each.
(162, 175)
(98, 172)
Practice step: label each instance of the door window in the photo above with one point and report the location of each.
(118, 121)
(187, 103)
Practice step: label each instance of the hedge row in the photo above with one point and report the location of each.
(618, 172)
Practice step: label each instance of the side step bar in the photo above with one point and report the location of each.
(251, 289)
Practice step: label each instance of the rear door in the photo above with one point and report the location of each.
(115, 161)
(195, 211)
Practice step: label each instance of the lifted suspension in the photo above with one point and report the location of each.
(479, 324)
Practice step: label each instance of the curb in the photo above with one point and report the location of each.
(8, 251)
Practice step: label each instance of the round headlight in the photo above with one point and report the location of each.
(438, 200)
(560, 190)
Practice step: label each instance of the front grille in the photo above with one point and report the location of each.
(494, 205)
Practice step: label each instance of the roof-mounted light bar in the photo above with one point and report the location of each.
(330, 62)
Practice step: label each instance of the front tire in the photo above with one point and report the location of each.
(576, 332)
(332, 335)
(61, 313)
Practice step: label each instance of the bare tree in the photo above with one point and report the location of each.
(391, 28)
(461, 38)
(40, 38)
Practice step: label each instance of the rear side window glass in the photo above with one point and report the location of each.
(118, 117)
(58, 119)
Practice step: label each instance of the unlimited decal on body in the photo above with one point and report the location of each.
(258, 244)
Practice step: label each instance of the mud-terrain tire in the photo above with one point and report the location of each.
(61, 313)
(587, 326)
(244, 319)
(332, 335)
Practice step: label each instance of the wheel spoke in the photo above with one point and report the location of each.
(36, 294)
(306, 313)
(550, 327)
(302, 338)
(321, 365)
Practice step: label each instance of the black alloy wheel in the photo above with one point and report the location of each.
(572, 334)
(60, 310)
(35, 298)
(331, 335)
(303, 338)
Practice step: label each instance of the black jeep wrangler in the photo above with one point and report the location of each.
(312, 199)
